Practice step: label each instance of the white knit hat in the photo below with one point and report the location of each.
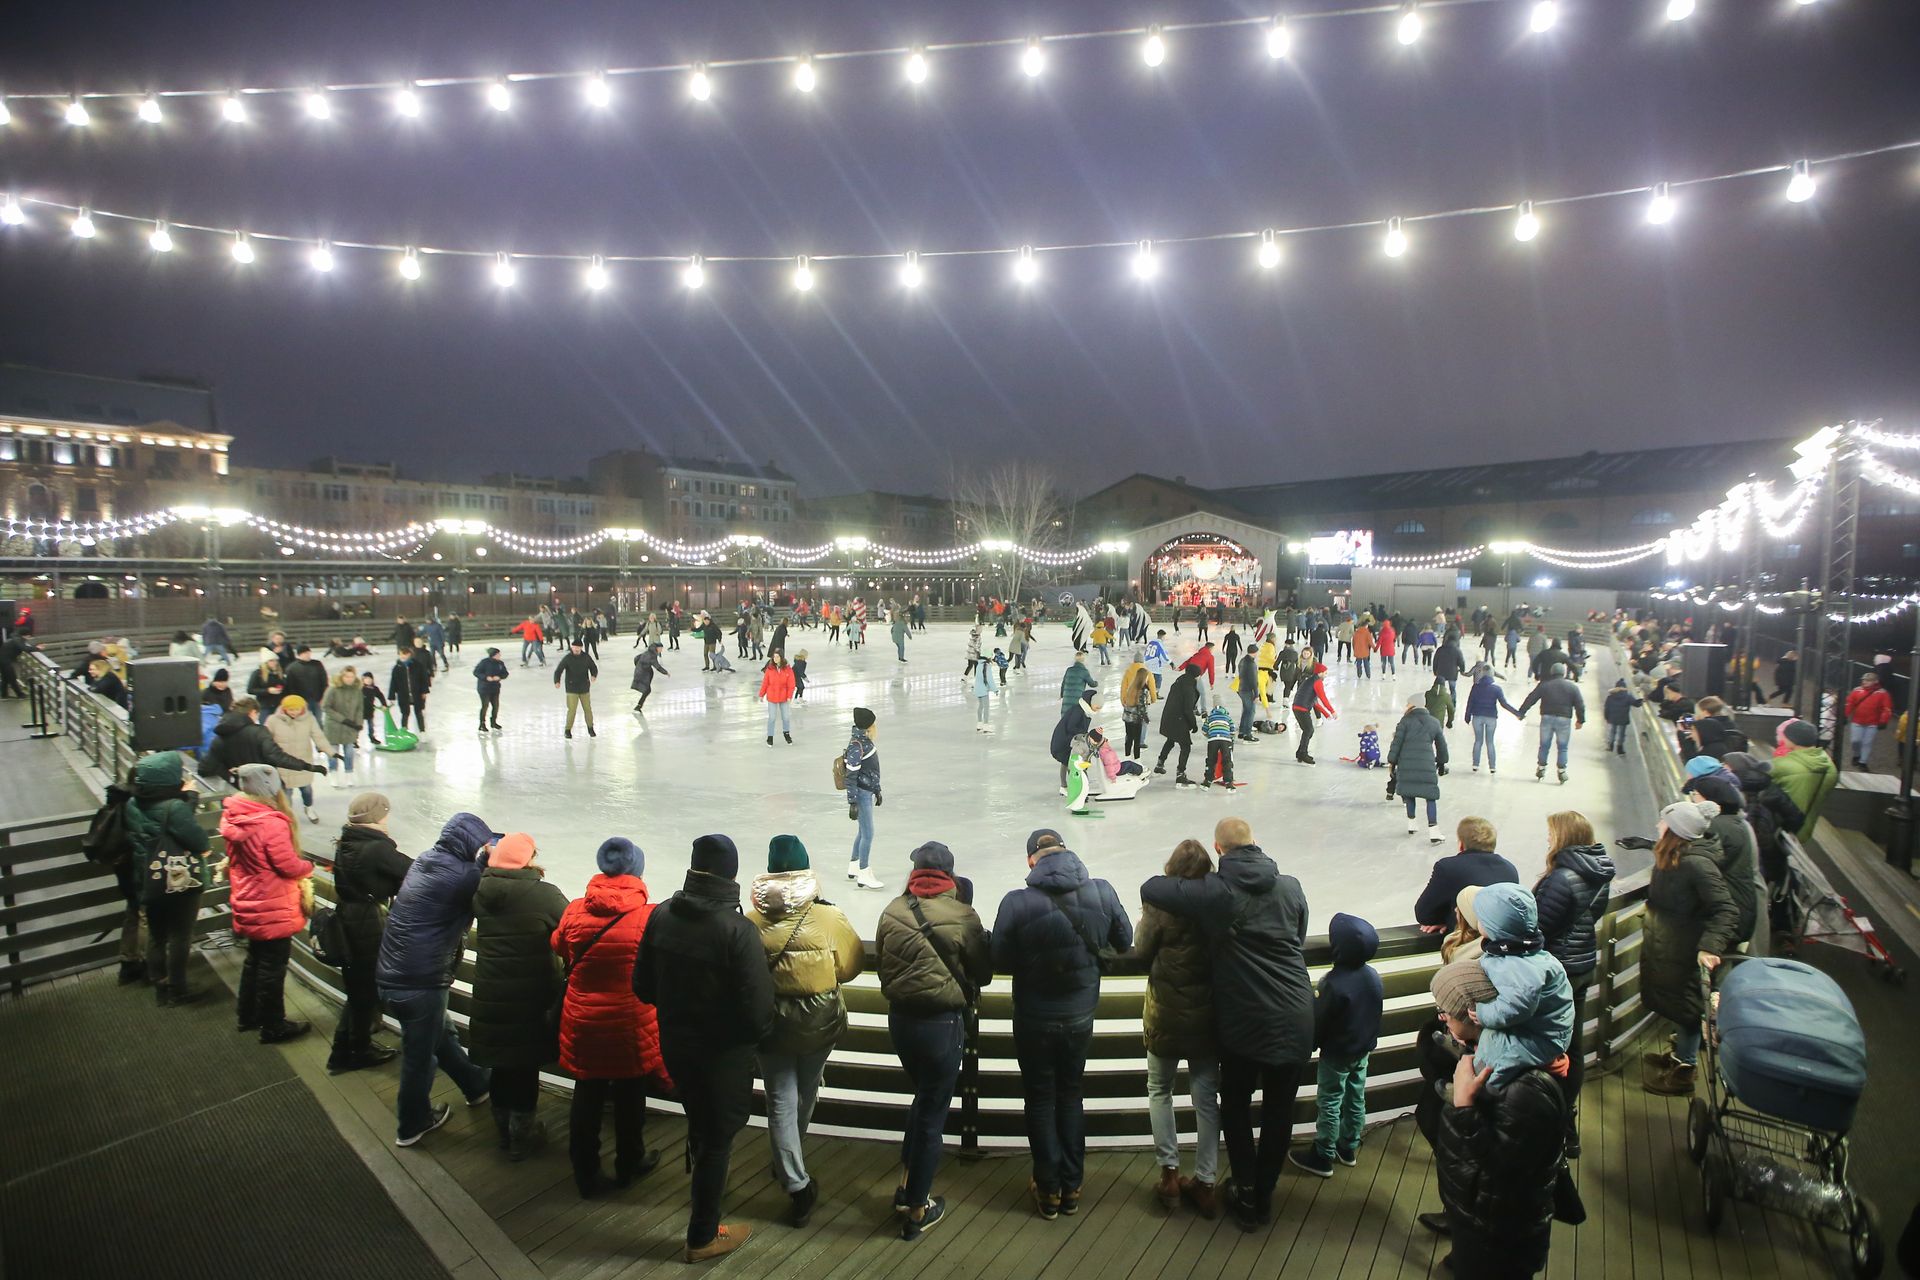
(1685, 819)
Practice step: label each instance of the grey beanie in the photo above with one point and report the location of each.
(258, 780)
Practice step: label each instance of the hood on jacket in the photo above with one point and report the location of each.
(1248, 869)
(610, 895)
(241, 812)
(230, 724)
(1058, 872)
(1753, 773)
(1591, 862)
(465, 836)
(705, 895)
(776, 894)
(159, 772)
(1354, 942)
(1507, 913)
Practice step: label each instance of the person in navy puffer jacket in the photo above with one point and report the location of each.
(1572, 897)
(426, 932)
(1346, 1027)
(1484, 700)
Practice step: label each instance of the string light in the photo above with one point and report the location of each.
(1395, 243)
(11, 214)
(242, 248)
(596, 274)
(160, 241)
(1408, 29)
(1543, 15)
(233, 110)
(802, 274)
(409, 265)
(321, 259)
(82, 224)
(1144, 266)
(1436, 560)
(916, 66)
(407, 102)
(1800, 186)
(1661, 206)
(598, 92)
(1527, 225)
(1153, 50)
(1026, 268)
(700, 84)
(149, 111)
(912, 276)
(1033, 60)
(6, 113)
(78, 115)
(804, 78)
(503, 273)
(1870, 433)
(318, 108)
(1679, 10)
(499, 96)
(1279, 39)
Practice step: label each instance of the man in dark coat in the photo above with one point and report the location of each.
(407, 687)
(403, 636)
(702, 967)
(577, 671)
(487, 676)
(1475, 864)
(1050, 935)
(1179, 717)
(306, 677)
(426, 933)
(1255, 919)
(240, 739)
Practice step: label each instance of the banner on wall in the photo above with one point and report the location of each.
(1350, 547)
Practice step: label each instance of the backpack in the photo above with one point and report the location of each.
(109, 840)
(840, 772)
(325, 937)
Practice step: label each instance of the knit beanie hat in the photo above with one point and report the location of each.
(716, 855)
(863, 718)
(368, 808)
(220, 675)
(293, 702)
(513, 851)
(493, 653)
(786, 853)
(619, 856)
(1700, 766)
(259, 780)
(1459, 986)
(933, 856)
(1685, 819)
(1800, 733)
(1463, 906)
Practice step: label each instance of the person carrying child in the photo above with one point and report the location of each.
(1346, 1026)
(1531, 1020)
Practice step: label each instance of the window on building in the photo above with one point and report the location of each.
(1410, 526)
(306, 489)
(569, 507)
(697, 488)
(335, 493)
(9, 449)
(543, 505)
(476, 502)
(497, 502)
(586, 507)
(696, 506)
(104, 457)
(266, 488)
(86, 499)
(1654, 516)
(63, 454)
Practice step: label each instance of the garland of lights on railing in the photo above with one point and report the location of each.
(1899, 605)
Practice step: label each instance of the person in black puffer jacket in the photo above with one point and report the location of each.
(1572, 896)
(516, 978)
(1255, 920)
(367, 871)
(240, 739)
(1498, 1154)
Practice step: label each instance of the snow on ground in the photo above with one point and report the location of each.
(698, 762)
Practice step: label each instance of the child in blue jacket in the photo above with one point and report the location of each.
(1530, 1022)
(1346, 1027)
(1618, 713)
(1220, 730)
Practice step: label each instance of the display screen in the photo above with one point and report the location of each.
(1352, 547)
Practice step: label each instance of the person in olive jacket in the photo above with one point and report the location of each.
(368, 869)
(515, 980)
(703, 969)
(1255, 920)
(934, 957)
(1178, 1025)
(811, 949)
(162, 825)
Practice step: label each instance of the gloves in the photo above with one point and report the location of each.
(1443, 770)
(876, 799)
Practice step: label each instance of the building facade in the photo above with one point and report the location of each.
(700, 499)
(57, 470)
(920, 521)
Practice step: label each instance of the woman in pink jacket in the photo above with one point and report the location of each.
(269, 896)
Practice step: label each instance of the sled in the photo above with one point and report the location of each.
(397, 739)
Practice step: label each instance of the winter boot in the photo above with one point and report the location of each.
(132, 972)
(1167, 1190)
(525, 1135)
(1201, 1196)
(501, 1117)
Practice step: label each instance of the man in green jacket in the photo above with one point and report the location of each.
(169, 866)
(1806, 773)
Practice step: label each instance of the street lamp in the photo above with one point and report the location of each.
(1505, 551)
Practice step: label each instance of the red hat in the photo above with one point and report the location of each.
(1319, 668)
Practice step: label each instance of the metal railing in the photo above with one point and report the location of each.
(61, 706)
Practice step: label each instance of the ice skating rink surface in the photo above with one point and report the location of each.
(698, 762)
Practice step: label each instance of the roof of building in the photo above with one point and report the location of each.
(883, 495)
(1204, 499)
(728, 467)
(1687, 468)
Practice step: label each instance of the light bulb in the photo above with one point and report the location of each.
(700, 84)
(233, 110)
(912, 276)
(916, 66)
(1034, 59)
(160, 240)
(1408, 29)
(1661, 205)
(1396, 242)
(804, 78)
(1279, 39)
(1800, 186)
(6, 112)
(1144, 266)
(1154, 51)
(318, 107)
(82, 227)
(1527, 225)
(802, 274)
(150, 110)
(1269, 252)
(407, 102)
(499, 97)
(409, 265)
(11, 214)
(77, 113)
(599, 93)
(321, 259)
(695, 274)
(596, 274)
(1025, 268)
(1679, 9)
(1545, 13)
(242, 248)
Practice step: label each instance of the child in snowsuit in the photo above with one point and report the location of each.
(1531, 1021)
(1220, 730)
(1369, 756)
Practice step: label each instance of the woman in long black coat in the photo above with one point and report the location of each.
(367, 870)
(516, 979)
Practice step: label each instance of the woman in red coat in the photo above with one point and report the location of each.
(609, 1040)
(776, 686)
(270, 881)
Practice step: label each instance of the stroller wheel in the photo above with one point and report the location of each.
(1699, 1128)
(1716, 1188)
(1865, 1246)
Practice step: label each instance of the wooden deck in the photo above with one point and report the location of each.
(486, 1217)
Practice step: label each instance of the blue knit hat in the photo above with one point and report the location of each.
(619, 856)
(1699, 766)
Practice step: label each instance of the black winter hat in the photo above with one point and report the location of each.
(933, 856)
(1043, 833)
(715, 855)
(863, 718)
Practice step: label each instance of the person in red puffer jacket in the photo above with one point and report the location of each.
(270, 883)
(609, 1039)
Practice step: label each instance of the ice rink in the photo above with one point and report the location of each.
(698, 762)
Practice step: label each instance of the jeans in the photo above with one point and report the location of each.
(263, 983)
(1053, 1061)
(346, 755)
(1863, 736)
(1617, 737)
(1552, 727)
(1342, 1103)
(1433, 810)
(1686, 1042)
(1305, 720)
(930, 1049)
(169, 934)
(900, 647)
(629, 1126)
(778, 710)
(1386, 663)
(1483, 727)
(983, 707)
(306, 795)
(1248, 705)
(717, 1093)
(1513, 644)
(1203, 1085)
(427, 1040)
(1257, 1169)
(1365, 666)
(1182, 740)
(1105, 660)
(793, 1083)
(863, 835)
(579, 702)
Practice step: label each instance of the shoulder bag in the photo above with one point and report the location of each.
(566, 979)
(967, 989)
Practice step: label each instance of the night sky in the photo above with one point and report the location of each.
(1747, 317)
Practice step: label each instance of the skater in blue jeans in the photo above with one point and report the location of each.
(863, 797)
(1346, 1027)
(1484, 700)
(1562, 710)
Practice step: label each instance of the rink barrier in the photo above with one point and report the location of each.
(865, 1093)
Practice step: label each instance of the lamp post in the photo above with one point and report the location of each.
(1505, 551)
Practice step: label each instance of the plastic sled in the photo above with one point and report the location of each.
(1124, 787)
(396, 739)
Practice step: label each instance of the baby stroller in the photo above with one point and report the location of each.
(1785, 1065)
(1816, 913)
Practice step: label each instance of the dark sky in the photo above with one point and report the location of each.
(1747, 317)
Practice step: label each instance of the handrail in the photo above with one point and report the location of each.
(96, 727)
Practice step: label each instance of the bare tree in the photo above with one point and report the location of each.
(1015, 503)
